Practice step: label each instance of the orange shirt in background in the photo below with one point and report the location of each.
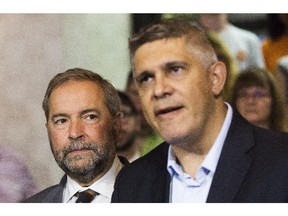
(273, 51)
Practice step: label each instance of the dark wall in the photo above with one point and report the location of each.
(140, 20)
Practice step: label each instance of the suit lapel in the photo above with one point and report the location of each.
(234, 161)
(57, 193)
(161, 188)
(161, 178)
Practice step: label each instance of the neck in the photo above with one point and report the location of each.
(189, 161)
(192, 153)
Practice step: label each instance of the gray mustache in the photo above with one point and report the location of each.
(76, 145)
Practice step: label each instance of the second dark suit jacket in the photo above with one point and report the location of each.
(253, 167)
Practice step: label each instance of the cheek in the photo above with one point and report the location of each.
(146, 103)
(240, 105)
(95, 132)
(131, 128)
(148, 115)
(198, 95)
(143, 100)
(57, 139)
(267, 106)
(99, 133)
(134, 125)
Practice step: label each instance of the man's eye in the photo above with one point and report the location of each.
(91, 117)
(60, 121)
(176, 69)
(144, 79)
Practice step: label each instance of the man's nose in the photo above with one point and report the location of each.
(161, 87)
(76, 130)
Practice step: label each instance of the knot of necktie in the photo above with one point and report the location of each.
(86, 196)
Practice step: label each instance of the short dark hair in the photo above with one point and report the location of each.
(79, 74)
(173, 28)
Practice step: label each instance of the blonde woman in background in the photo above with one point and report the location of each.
(257, 97)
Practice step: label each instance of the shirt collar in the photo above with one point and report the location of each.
(210, 162)
(213, 156)
(104, 186)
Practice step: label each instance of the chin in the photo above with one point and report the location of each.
(174, 138)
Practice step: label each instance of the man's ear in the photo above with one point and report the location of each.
(218, 74)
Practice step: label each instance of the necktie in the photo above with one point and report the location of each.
(86, 196)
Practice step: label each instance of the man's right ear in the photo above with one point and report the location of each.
(218, 75)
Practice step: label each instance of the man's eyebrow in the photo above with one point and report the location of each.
(173, 63)
(57, 115)
(83, 112)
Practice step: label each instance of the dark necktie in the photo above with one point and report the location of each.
(86, 196)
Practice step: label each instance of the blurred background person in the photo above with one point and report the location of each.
(130, 127)
(147, 138)
(276, 45)
(244, 45)
(258, 99)
(16, 182)
(281, 76)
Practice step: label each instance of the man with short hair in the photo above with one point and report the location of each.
(83, 123)
(210, 153)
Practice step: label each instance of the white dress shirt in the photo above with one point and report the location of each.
(185, 189)
(104, 186)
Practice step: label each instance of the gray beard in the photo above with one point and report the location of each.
(96, 161)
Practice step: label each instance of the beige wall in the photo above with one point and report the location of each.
(99, 43)
(35, 47)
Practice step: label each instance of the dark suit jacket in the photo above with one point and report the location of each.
(52, 194)
(253, 167)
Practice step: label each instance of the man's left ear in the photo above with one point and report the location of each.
(218, 74)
